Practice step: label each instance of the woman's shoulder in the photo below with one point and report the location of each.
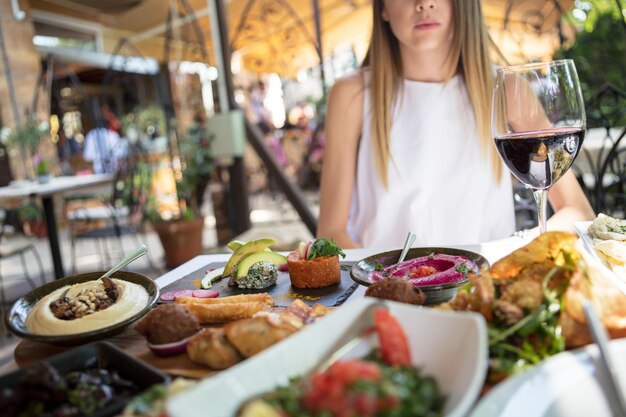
(349, 87)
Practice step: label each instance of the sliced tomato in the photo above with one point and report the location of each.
(351, 370)
(394, 346)
(329, 390)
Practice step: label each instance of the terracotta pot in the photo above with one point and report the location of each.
(181, 240)
(37, 228)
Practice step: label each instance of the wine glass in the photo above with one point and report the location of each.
(538, 123)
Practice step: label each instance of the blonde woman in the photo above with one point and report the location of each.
(408, 142)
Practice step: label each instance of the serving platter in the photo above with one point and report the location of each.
(459, 372)
(566, 385)
(16, 317)
(282, 292)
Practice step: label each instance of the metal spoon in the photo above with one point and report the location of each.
(614, 395)
(410, 238)
(137, 253)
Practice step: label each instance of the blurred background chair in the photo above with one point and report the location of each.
(610, 188)
(18, 241)
(600, 165)
(106, 220)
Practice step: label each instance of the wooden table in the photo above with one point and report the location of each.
(28, 352)
(47, 191)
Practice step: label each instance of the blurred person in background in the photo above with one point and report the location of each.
(257, 113)
(104, 148)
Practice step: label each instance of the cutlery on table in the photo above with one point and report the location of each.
(410, 238)
(137, 253)
(614, 394)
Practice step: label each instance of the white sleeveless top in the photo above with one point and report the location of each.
(439, 184)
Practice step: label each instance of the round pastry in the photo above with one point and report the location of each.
(315, 265)
(167, 323)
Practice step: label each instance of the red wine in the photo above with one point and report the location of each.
(539, 159)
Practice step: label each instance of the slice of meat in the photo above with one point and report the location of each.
(253, 335)
(209, 347)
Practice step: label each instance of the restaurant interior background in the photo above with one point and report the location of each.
(176, 79)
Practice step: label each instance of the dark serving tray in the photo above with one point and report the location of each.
(283, 293)
(98, 355)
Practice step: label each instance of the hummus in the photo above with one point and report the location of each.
(437, 269)
(132, 299)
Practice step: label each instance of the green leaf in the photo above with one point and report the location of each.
(462, 268)
(324, 247)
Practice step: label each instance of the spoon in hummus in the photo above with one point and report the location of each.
(137, 253)
(410, 238)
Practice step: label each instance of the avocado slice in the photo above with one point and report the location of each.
(236, 244)
(245, 250)
(233, 245)
(210, 277)
(276, 258)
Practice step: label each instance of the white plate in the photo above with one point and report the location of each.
(566, 385)
(583, 231)
(582, 228)
(450, 346)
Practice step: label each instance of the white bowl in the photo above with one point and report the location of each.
(565, 385)
(450, 346)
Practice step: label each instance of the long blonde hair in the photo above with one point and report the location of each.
(469, 55)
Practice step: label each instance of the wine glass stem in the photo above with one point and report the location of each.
(541, 198)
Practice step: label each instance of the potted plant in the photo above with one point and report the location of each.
(27, 138)
(41, 169)
(180, 228)
(31, 217)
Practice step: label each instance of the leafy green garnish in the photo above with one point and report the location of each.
(462, 268)
(378, 267)
(324, 247)
(535, 337)
(618, 228)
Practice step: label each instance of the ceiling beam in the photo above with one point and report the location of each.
(160, 29)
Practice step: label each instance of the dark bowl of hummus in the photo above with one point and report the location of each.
(437, 271)
(82, 308)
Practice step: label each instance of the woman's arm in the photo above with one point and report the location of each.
(569, 204)
(343, 130)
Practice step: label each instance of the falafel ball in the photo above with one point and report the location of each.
(396, 289)
(167, 323)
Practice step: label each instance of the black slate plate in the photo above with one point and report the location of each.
(283, 293)
(16, 317)
(102, 355)
(435, 294)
